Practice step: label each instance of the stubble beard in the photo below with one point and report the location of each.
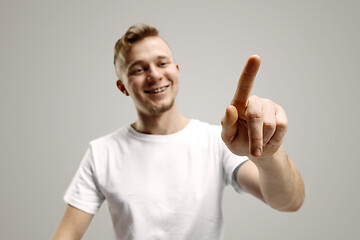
(155, 110)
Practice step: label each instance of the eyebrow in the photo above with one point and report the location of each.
(139, 62)
(163, 57)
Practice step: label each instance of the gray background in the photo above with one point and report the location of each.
(58, 93)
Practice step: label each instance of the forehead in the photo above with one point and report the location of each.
(147, 49)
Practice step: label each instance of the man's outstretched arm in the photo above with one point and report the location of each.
(277, 182)
(73, 225)
(255, 127)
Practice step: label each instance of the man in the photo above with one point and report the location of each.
(163, 175)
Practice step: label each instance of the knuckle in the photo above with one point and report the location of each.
(268, 101)
(253, 113)
(256, 140)
(245, 87)
(253, 98)
(269, 124)
(282, 125)
(274, 142)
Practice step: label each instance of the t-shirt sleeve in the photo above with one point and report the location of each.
(83, 192)
(231, 164)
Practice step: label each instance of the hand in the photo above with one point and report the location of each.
(253, 126)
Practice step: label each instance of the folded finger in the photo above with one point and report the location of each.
(281, 127)
(269, 115)
(254, 119)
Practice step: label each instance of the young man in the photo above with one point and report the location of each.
(163, 176)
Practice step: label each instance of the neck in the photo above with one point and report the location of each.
(168, 122)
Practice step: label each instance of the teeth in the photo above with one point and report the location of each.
(158, 90)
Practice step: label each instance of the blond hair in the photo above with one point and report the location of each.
(123, 45)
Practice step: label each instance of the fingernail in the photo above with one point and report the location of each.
(256, 152)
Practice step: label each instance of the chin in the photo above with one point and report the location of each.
(156, 110)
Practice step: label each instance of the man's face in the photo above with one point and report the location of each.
(151, 76)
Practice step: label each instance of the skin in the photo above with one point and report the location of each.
(252, 126)
(255, 127)
(73, 224)
(150, 66)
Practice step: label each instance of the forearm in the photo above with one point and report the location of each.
(61, 234)
(73, 225)
(280, 182)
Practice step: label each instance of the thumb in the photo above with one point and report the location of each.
(229, 124)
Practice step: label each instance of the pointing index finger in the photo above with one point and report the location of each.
(246, 82)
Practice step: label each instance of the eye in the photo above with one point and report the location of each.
(163, 64)
(139, 70)
(136, 70)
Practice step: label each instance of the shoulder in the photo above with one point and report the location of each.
(110, 141)
(111, 137)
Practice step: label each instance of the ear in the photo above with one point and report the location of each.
(178, 69)
(121, 87)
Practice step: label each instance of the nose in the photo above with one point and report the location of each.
(154, 74)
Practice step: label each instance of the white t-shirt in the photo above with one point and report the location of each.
(157, 186)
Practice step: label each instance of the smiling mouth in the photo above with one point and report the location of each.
(157, 90)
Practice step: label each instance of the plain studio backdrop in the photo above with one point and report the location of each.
(58, 93)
